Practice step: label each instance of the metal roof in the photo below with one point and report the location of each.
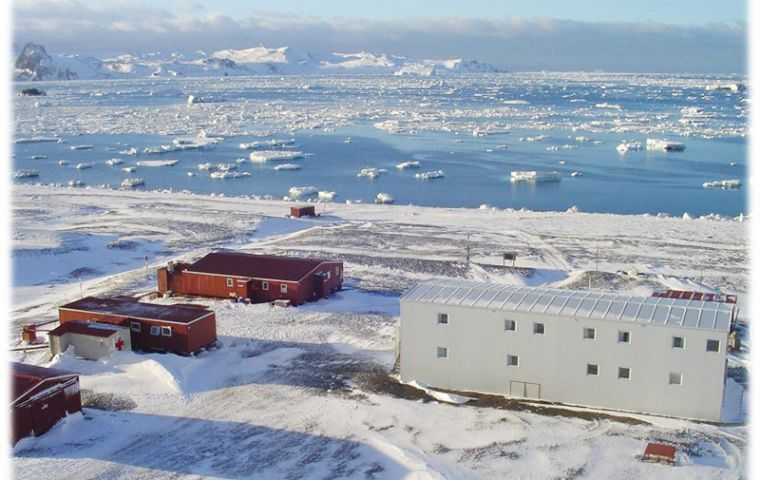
(612, 306)
(26, 378)
(248, 265)
(121, 307)
(84, 327)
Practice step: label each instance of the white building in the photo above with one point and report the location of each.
(640, 354)
(91, 340)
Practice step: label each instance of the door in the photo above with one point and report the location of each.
(46, 411)
(524, 389)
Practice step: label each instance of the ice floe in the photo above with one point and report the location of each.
(533, 176)
(430, 175)
(132, 182)
(263, 156)
(731, 184)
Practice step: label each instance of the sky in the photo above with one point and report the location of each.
(641, 35)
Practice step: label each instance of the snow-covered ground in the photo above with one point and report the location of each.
(304, 392)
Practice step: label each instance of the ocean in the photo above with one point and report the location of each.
(475, 129)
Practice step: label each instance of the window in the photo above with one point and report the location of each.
(265, 285)
(512, 360)
(675, 378)
(624, 372)
(328, 274)
(592, 369)
(442, 352)
(229, 282)
(166, 331)
(624, 337)
(443, 319)
(539, 328)
(713, 345)
(589, 333)
(154, 330)
(337, 271)
(135, 326)
(678, 342)
(283, 288)
(510, 325)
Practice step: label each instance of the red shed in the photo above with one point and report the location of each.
(260, 278)
(164, 328)
(302, 211)
(41, 398)
(657, 452)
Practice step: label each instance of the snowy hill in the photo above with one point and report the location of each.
(34, 63)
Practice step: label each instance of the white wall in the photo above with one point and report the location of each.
(89, 346)
(478, 347)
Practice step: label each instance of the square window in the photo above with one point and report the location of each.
(443, 319)
(624, 337)
(539, 328)
(135, 326)
(229, 282)
(713, 345)
(265, 285)
(624, 372)
(166, 331)
(678, 342)
(154, 330)
(283, 288)
(512, 360)
(589, 333)
(592, 369)
(675, 378)
(510, 325)
(442, 352)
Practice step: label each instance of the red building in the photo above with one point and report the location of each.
(179, 329)
(40, 398)
(302, 211)
(260, 278)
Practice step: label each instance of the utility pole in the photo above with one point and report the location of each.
(467, 250)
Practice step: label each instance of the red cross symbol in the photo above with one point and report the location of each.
(119, 344)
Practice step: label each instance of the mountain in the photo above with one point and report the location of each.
(34, 63)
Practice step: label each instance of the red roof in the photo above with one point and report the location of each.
(83, 327)
(687, 295)
(660, 450)
(26, 377)
(269, 267)
(121, 307)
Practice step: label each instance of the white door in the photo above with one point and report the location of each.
(524, 389)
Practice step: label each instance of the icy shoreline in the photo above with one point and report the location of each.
(286, 199)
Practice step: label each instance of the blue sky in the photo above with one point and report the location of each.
(633, 36)
(679, 12)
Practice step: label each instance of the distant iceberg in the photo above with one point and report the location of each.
(157, 163)
(132, 182)
(264, 156)
(273, 143)
(626, 146)
(732, 184)
(664, 145)
(371, 172)
(384, 198)
(533, 176)
(409, 164)
(288, 166)
(430, 175)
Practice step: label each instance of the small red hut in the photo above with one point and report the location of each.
(41, 397)
(302, 211)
